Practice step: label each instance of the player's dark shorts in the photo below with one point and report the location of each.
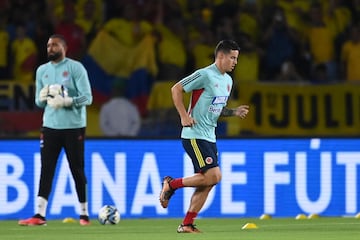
(203, 154)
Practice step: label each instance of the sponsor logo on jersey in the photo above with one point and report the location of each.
(219, 100)
(214, 109)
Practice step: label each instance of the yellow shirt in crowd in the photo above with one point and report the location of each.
(350, 54)
(4, 43)
(23, 50)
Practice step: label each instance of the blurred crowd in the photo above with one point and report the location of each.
(311, 41)
(281, 40)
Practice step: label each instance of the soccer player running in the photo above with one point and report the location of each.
(63, 89)
(210, 87)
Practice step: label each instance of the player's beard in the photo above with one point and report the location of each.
(54, 56)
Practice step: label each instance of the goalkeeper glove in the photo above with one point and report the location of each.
(55, 89)
(44, 93)
(59, 101)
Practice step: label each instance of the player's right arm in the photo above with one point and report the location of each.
(39, 85)
(177, 95)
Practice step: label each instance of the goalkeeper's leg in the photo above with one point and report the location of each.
(50, 147)
(74, 149)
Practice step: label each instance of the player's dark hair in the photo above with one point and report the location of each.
(59, 36)
(226, 46)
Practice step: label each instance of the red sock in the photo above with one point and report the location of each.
(176, 183)
(189, 218)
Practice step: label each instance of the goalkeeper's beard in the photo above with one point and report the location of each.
(54, 56)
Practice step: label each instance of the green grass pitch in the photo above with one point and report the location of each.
(212, 228)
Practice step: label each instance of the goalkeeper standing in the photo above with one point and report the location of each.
(63, 90)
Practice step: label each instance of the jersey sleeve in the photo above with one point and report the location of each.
(194, 81)
(83, 95)
(38, 86)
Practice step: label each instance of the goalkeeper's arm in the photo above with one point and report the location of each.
(83, 95)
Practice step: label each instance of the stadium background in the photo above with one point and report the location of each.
(287, 111)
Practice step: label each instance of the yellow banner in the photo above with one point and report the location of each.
(300, 110)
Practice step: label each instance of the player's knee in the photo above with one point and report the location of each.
(217, 177)
(214, 176)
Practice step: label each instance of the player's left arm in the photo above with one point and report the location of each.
(83, 94)
(241, 111)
